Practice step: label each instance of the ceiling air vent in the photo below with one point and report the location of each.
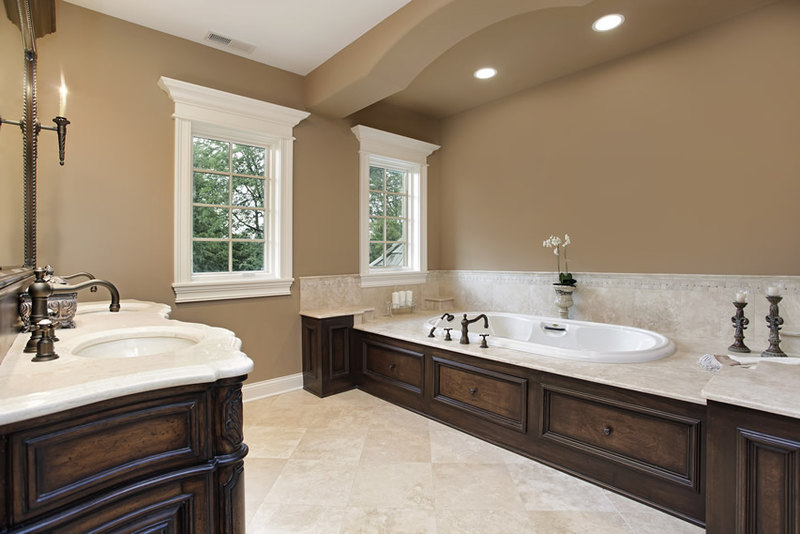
(227, 42)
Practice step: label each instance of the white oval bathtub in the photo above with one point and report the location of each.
(562, 338)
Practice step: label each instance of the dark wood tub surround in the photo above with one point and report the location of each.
(169, 460)
(644, 446)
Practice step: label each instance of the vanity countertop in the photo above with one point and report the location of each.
(31, 389)
(768, 387)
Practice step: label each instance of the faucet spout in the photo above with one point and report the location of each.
(465, 326)
(114, 306)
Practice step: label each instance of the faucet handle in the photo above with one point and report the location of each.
(484, 345)
(45, 348)
(447, 334)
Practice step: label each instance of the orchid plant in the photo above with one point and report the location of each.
(559, 247)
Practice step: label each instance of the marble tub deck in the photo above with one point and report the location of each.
(352, 463)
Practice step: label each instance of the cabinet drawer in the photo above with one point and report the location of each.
(63, 461)
(495, 396)
(660, 443)
(401, 367)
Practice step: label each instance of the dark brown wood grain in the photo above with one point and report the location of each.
(326, 355)
(169, 460)
(754, 461)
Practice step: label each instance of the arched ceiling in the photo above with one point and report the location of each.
(423, 56)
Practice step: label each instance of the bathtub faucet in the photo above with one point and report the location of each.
(465, 324)
(447, 316)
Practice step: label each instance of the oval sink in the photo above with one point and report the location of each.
(135, 343)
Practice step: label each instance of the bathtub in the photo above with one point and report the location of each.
(561, 338)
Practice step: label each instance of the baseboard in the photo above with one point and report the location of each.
(274, 386)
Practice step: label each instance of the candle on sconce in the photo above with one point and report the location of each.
(62, 101)
(741, 296)
(773, 291)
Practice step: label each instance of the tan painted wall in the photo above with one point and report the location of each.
(682, 159)
(109, 210)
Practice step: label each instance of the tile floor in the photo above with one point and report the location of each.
(354, 463)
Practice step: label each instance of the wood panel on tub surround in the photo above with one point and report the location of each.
(679, 159)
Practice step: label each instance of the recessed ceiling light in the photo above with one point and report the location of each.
(608, 22)
(485, 73)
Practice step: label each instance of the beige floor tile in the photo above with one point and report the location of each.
(407, 444)
(259, 476)
(451, 446)
(475, 487)
(482, 522)
(314, 482)
(654, 522)
(388, 521)
(393, 417)
(544, 488)
(271, 441)
(578, 523)
(274, 518)
(393, 485)
(331, 444)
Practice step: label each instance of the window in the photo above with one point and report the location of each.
(233, 194)
(393, 187)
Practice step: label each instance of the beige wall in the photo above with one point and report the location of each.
(681, 159)
(109, 210)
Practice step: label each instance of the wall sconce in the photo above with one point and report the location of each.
(60, 128)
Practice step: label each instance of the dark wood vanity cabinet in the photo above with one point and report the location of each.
(754, 462)
(326, 355)
(169, 460)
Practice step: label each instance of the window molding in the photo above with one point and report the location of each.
(381, 146)
(206, 110)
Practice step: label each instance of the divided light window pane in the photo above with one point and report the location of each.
(388, 217)
(228, 206)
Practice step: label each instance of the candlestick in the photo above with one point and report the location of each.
(740, 323)
(774, 321)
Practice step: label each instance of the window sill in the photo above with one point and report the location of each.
(231, 289)
(393, 278)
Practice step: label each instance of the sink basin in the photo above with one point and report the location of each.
(132, 343)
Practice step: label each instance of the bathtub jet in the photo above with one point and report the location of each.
(570, 340)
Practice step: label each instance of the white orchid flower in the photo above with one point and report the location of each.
(566, 240)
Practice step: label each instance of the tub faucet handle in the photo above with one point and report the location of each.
(447, 336)
(484, 345)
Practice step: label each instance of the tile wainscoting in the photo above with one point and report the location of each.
(680, 305)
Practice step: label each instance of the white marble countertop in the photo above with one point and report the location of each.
(768, 387)
(31, 389)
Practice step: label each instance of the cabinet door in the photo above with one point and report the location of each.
(754, 471)
(326, 355)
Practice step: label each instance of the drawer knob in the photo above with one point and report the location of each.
(473, 391)
(392, 366)
(607, 430)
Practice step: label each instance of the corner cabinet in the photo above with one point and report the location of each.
(326, 355)
(169, 460)
(754, 461)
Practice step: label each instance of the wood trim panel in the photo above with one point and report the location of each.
(658, 443)
(767, 483)
(497, 397)
(400, 367)
(339, 351)
(53, 464)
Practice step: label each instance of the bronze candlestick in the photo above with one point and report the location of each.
(740, 323)
(774, 321)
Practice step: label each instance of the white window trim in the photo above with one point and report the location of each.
(380, 145)
(199, 109)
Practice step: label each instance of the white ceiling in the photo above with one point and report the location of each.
(293, 35)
